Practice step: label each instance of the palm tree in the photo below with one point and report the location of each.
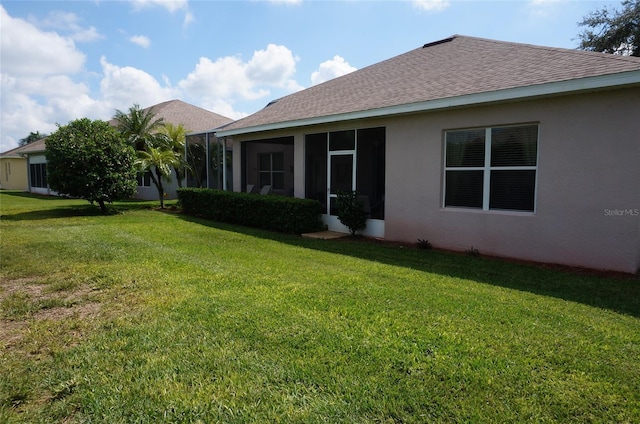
(138, 126)
(177, 135)
(161, 159)
(141, 129)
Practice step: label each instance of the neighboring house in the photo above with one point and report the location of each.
(195, 120)
(13, 170)
(514, 150)
(177, 112)
(32, 164)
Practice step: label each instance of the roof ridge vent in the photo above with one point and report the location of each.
(435, 43)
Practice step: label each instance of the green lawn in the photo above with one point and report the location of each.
(148, 316)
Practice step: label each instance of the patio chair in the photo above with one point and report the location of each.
(265, 189)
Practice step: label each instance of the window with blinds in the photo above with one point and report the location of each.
(491, 168)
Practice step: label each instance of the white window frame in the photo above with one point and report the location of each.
(142, 179)
(487, 168)
(271, 171)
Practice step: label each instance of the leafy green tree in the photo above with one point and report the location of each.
(139, 126)
(33, 136)
(177, 135)
(613, 31)
(159, 161)
(90, 160)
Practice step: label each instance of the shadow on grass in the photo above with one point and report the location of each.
(28, 195)
(59, 209)
(616, 292)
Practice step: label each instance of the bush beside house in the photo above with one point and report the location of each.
(275, 213)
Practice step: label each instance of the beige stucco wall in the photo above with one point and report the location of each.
(588, 168)
(588, 187)
(151, 192)
(13, 174)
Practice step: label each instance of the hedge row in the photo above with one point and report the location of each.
(275, 213)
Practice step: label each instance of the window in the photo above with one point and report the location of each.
(271, 170)
(144, 179)
(38, 174)
(491, 168)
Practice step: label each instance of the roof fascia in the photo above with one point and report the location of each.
(518, 93)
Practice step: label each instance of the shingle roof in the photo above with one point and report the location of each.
(456, 66)
(33, 147)
(193, 118)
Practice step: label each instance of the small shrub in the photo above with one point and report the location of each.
(472, 252)
(351, 211)
(423, 244)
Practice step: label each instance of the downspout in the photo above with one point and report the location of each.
(224, 162)
(186, 159)
(207, 158)
(29, 173)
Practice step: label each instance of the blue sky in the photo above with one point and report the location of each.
(63, 60)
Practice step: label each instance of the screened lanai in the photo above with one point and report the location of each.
(210, 160)
(268, 163)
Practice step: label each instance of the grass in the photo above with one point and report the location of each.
(145, 316)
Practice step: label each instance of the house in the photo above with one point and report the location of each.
(195, 120)
(177, 112)
(29, 163)
(516, 150)
(13, 170)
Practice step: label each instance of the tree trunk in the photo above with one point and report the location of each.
(103, 207)
(160, 188)
(179, 176)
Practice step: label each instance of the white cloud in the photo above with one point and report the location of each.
(542, 8)
(36, 80)
(24, 113)
(140, 40)
(229, 79)
(542, 2)
(123, 86)
(43, 79)
(188, 18)
(38, 103)
(224, 78)
(87, 35)
(286, 1)
(68, 23)
(330, 69)
(273, 66)
(28, 51)
(431, 5)
(222, 107)
(170, 5)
